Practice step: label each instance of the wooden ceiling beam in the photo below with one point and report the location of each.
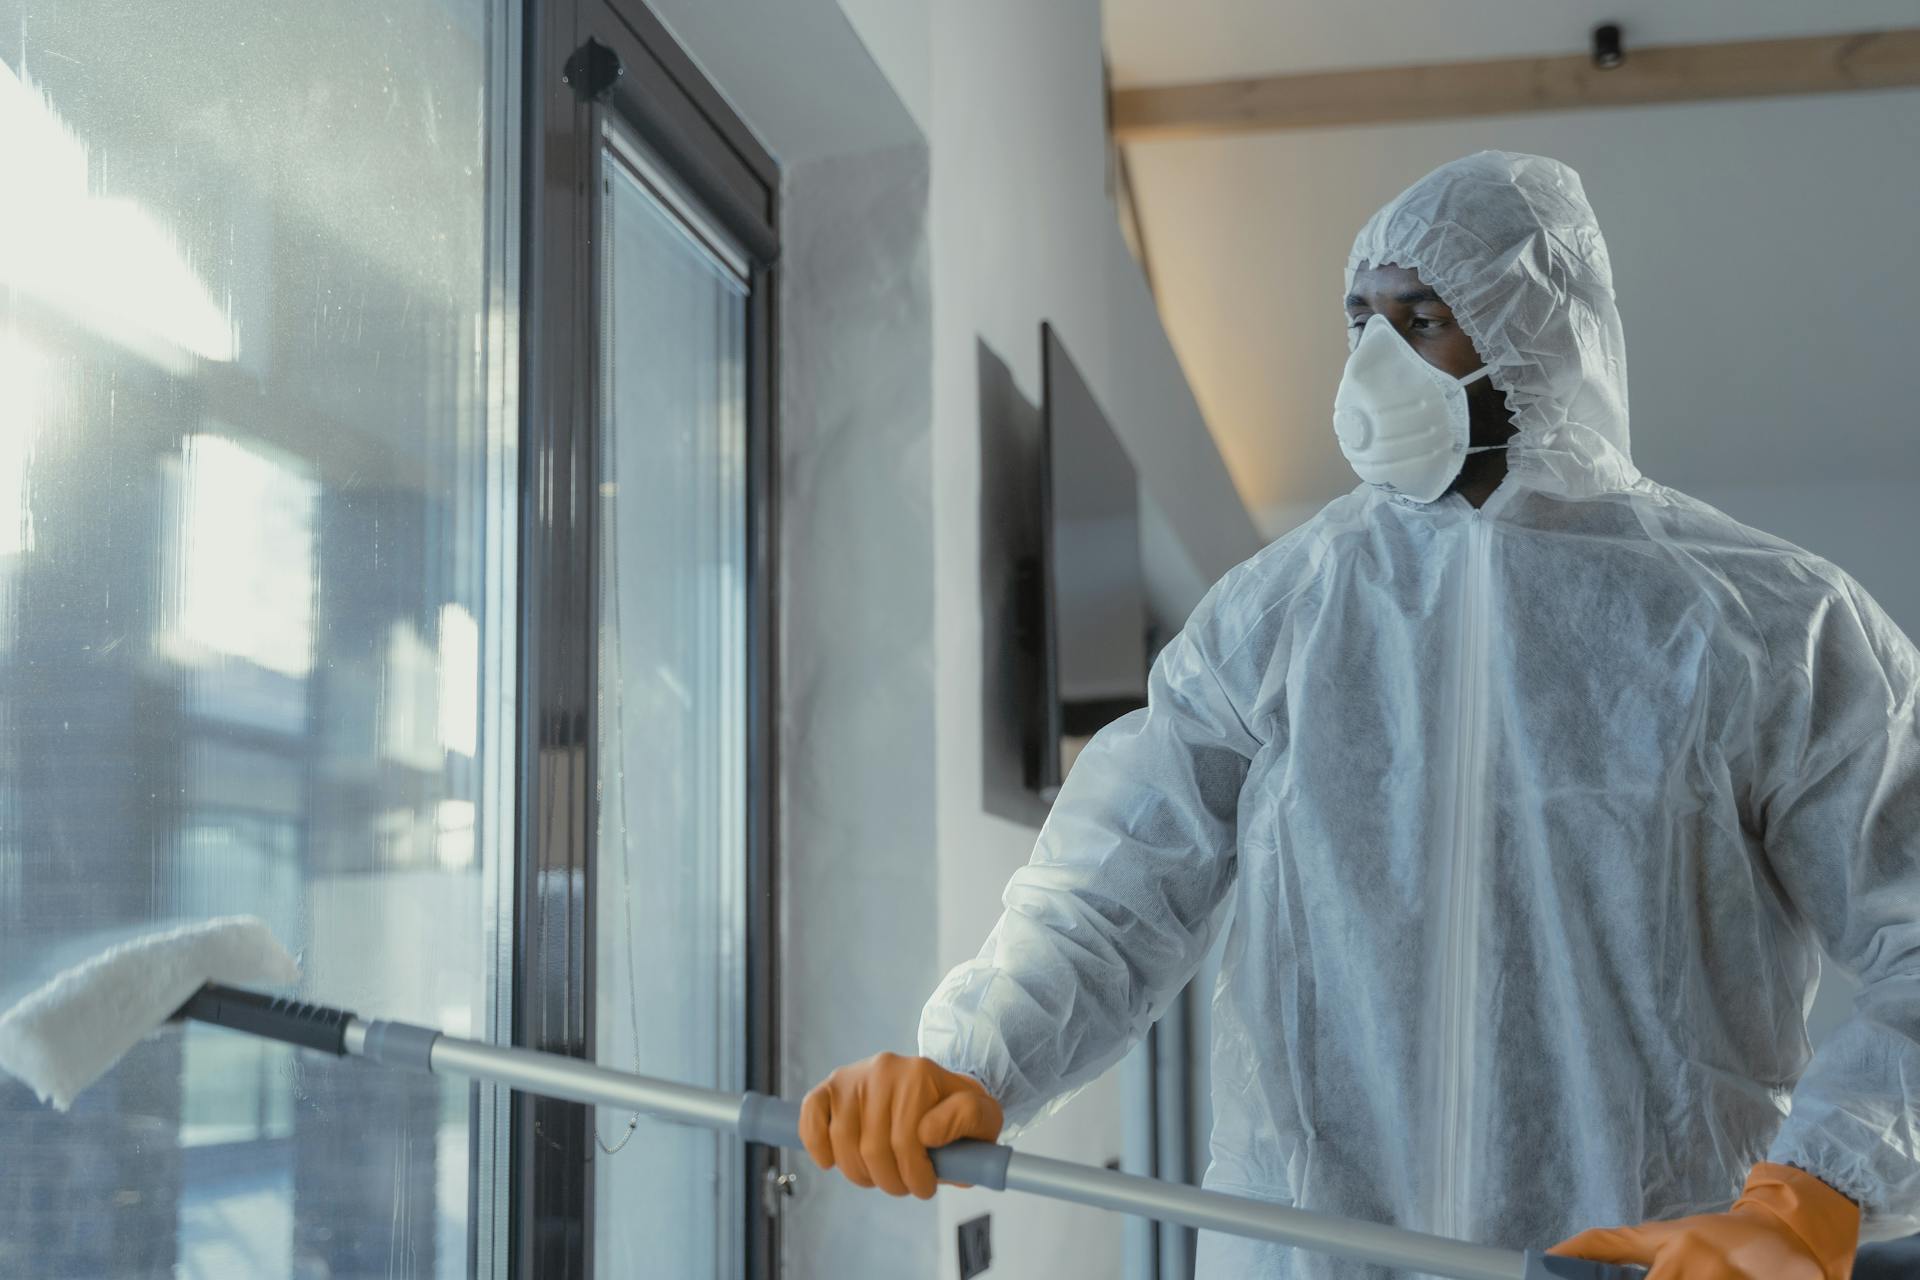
(1510, 86)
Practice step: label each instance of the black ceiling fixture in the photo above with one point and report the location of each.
(1607, 53)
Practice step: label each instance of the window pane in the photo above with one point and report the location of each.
(250, 473)
(671, 844)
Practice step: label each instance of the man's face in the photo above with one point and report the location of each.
(1427, 324)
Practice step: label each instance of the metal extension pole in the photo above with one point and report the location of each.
(757, 1118)
(775, 1122)
(1215, 1211)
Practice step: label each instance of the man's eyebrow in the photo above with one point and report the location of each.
(1405, 298)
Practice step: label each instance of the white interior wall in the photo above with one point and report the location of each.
(859, 736)
(896, 33)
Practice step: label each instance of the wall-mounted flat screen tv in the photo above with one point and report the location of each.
(1092, 589)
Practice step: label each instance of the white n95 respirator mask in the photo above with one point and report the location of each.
(1402, 423)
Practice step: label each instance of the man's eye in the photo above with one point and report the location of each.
(1429, 322)
(1357, 322)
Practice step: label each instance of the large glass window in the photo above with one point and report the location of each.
(671, 846)
(256, 496)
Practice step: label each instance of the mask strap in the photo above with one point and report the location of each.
(1468, 381)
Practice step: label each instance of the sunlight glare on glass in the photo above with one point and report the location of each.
(105, 262)
(23, 379)
(247, 565)
(410, 688)
(459, 680)
(453, 837)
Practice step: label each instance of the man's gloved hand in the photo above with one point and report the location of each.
(876, 1120)
(1786, 1225)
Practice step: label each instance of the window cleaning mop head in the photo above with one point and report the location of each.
(68, 1033)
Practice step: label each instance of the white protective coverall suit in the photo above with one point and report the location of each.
(1531, 823)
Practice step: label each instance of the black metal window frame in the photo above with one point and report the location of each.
(587, 63)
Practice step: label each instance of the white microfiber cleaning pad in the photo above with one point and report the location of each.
(68, 1033)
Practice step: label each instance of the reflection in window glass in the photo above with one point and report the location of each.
(249, 472)
(245, 529)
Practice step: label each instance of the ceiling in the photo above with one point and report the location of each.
(1773, 213)
(1156, 42)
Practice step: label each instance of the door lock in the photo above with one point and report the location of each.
(779, 1185)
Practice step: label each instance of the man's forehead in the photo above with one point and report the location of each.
(1403, 285)
(1392, 273)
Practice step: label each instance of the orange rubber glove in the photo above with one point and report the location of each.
(876, 1119)
(1786, 1225)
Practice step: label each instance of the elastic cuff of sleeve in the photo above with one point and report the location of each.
(1833, 1164)
(1825, 1219)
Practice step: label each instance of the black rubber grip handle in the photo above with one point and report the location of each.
(311, 1026)
(775, 1122)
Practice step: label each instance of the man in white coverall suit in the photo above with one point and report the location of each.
(1532, 790)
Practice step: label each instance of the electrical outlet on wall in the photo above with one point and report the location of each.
(976, 1246)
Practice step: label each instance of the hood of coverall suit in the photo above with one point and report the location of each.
(1510, 244)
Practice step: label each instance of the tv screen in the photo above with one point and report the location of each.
(1093, 588)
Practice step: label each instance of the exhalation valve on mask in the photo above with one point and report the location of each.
(1402, 423)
